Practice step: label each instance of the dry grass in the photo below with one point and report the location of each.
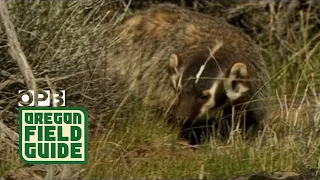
(66, 46)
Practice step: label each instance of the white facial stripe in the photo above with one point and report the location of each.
(201, 70)
(211, 101)
(212, 52)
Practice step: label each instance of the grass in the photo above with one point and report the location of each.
(73, 37)
(148, 148)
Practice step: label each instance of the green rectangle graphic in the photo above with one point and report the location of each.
(53, 135)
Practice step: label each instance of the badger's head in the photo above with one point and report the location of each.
(205, 83)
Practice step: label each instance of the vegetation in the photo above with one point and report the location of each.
(66, 45)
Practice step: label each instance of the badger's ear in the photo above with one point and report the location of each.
(174, 72)
(236, 81)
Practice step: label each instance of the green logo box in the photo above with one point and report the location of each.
(53, 135)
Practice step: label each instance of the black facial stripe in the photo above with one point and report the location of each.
(206, 79)
(220, 96)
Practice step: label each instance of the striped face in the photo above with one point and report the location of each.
(205, 85)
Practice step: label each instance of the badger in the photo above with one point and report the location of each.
(197, 66)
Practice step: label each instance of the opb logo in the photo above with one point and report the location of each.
(41, 98)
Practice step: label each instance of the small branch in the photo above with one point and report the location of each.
(6, 84)
(8, 136)
(15, 49)
(11, 76)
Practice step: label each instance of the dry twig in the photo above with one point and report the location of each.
(8, 136)
(15, 49)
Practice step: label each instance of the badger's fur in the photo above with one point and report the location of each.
(155, 47)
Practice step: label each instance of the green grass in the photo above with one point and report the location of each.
(149, 149)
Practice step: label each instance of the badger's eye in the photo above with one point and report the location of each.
(203, 97)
